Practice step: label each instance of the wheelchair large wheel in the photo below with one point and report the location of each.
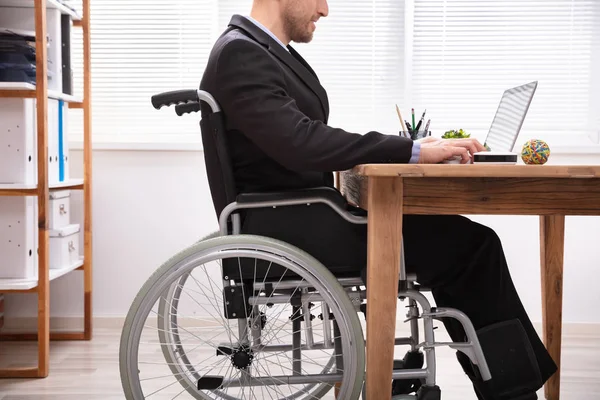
(174, 352)
(205, 350)
(175, 356)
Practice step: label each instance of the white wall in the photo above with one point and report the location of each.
(168, 192)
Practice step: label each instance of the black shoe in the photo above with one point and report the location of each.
(515, 371)
(412, 360)
(429, 393)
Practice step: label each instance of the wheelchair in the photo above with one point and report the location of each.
(238, 316)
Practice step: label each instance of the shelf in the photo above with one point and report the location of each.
(16, 85)
(16, 189)
(7, 285)
(16, 186)
(64, 97)
(55, 4)
(70, 184)
(27, 90)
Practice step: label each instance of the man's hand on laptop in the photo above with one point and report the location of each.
(435, 150)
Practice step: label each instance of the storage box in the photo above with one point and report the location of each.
(64, 246)
(60, 209)
(18, 237)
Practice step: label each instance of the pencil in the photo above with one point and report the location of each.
(421, 120)
(401, 120)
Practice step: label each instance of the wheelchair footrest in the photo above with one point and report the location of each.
(210, 383)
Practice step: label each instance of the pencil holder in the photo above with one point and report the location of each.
(415, 135)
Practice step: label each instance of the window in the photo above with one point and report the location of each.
(140, 48)
(466, 53)
(358, 54)
(451, 57)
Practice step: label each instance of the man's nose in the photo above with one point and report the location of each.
(323, 9)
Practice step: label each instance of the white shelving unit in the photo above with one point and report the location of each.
(44, 108)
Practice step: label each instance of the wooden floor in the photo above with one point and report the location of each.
(90, 370)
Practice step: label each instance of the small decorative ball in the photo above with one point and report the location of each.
(535, 151)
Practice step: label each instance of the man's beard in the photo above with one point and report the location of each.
(296, 27)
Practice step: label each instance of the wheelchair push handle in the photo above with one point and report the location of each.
(174, 97)
(186, 101)
(187, 108)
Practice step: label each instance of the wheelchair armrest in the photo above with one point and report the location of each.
(313, 195)
(326, 195)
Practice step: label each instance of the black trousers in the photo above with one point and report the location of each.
(461, 261)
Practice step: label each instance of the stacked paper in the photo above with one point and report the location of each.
(17, 56)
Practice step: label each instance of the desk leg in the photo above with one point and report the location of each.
(552, 236)
(384, 236)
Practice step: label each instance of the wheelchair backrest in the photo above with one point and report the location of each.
(219, 168)
(216, 158)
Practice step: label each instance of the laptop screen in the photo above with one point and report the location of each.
(509, 117)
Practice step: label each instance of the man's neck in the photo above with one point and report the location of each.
(268, 15)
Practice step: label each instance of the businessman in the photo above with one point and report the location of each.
(276, 114)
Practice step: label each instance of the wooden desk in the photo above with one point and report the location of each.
(388, 191)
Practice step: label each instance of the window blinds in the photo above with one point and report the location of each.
(451, 57)
(466, 53)
(358, 54)
(141, 47)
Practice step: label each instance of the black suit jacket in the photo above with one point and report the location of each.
(276, 114)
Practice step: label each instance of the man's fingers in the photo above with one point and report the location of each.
(462, 152)
(472, 144)
(469, 147)
(480, 147)
(465, 156)
(476, 146)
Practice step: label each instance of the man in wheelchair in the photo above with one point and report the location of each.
(275, 115)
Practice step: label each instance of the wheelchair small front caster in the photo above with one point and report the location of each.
(429, 393)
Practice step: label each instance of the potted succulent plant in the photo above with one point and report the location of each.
(456, 134)
(460, 134)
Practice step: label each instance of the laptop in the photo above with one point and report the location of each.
(506, 125)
